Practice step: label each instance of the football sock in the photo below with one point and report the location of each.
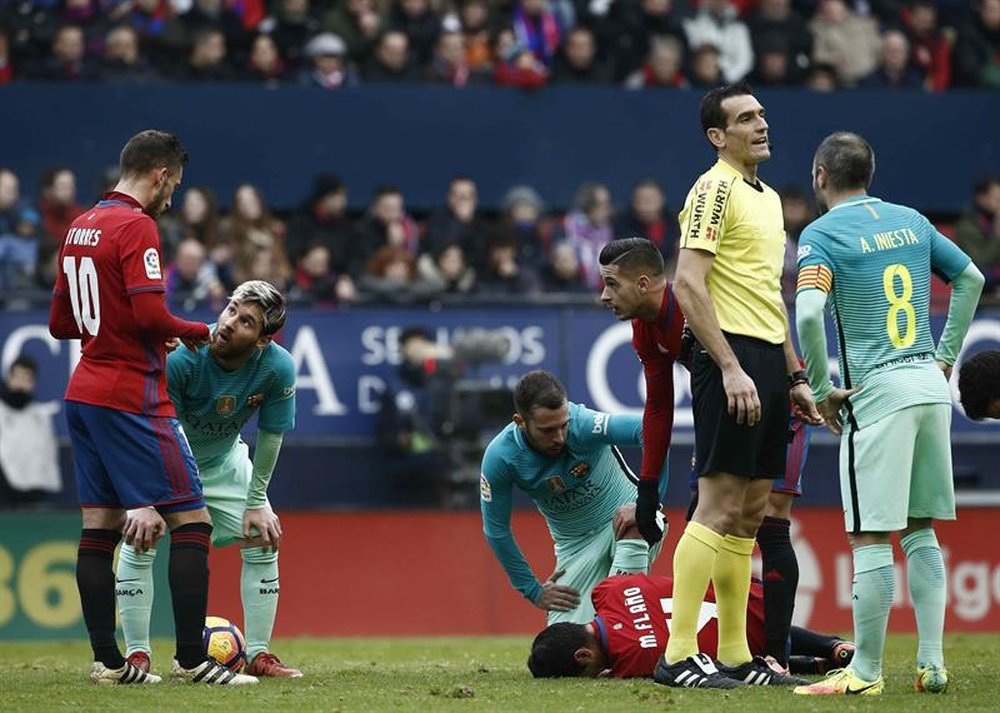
(928, 590)
(731, 579)
(874, 588)
(189, 588)
(259, 591)
(781, 579)
(631, 557)
(809, 643)
(694, 559)
(134, 590)
(95, 580)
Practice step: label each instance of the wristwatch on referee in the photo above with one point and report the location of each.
(797, 377)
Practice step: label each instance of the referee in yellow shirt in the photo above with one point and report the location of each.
(744, 368)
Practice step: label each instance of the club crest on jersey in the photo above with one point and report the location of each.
(485, 492)
(151, 260)
(555, 484)
(255, 400)
(225, 405)
(578, 470)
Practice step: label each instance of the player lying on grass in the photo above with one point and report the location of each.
(216, 390)
(630, 632)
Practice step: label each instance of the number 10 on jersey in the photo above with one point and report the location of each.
(83, 293)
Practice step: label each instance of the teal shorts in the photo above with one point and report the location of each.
(587, 560)
(226, 482)
(898, 468)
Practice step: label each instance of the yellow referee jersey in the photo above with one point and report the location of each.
(743, 226)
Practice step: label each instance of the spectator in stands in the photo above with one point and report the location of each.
(29, 460)
(68, 60)
(846, 40)
(197, 218)
(798, 211)
(290, 25)
(458, 223)
(474, 22)
(931, 45)
(162, 35)
(563, 273)
(663, 68)
(705, 71)
(387, 224)
(251, 229)
(448, 271)
(391, 62)
(207, 61)
(632, 29)
(718, 23)
(822, 77)
(977, 50)
(391, 276)
(215, 15)
(417, 19)
(895, 71)
(772, 64)
(323, 220)
(20, 226)
(123, 63)
(515, 64)
(6, 65)
(449, 64)
(647, 216)
(358, 24)
(503, 274)
(978, 231)
(326, 63)
(523, 214)
(539, 26)
(191, 281)
(58, 205)
(588, 228)
(315, 281)
(265, 64)
(577, 61)
(774, 24)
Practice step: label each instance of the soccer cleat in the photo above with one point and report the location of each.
(759, 672)
(210, 672)
(932, 679)
(127, 674)
(842, 682)
(843, 652)
(267, 664)
(698, 671)
(139, 659)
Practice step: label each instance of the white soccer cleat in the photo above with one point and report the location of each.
(210, 672)
(127, 674)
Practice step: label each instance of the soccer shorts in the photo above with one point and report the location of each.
(127, 460)
(226, 481)
(722, 445)
(898, 468)
(587, 560)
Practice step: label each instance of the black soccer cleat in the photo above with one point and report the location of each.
(758, 672)
(698, 671)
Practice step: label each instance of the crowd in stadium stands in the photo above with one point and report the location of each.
(673, 44)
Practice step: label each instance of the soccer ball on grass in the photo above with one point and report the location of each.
(224, 642)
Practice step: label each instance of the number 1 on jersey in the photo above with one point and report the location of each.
(899, 303)
(83, 293)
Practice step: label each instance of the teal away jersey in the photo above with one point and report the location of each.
(213, 404)
(875, 260)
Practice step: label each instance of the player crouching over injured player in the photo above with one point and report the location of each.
(630, 633)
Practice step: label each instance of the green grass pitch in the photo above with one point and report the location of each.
(458, 674)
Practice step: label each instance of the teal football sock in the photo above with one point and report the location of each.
(259, 591)
(631, 557)
(874, 588)
(134, 592)
(929, 592)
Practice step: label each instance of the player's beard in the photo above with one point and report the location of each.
(158, 203)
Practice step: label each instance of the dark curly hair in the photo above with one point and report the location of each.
(979, 383)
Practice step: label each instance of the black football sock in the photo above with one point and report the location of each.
(809, 643)
(781, 579)
(96, 581)
(189, 588)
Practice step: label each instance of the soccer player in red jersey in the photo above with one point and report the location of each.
(129, 449)
(630, 632)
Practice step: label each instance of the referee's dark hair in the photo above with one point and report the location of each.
(552, 651)
(979, 383)
(633, 255)
(848, 159)
(538, 389)
(149, 150)
(712, 114)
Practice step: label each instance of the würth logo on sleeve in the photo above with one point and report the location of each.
(151, 259)
(225, 405)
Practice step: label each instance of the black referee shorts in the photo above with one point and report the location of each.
(720, 444)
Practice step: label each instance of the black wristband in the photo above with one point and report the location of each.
(796, 378)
